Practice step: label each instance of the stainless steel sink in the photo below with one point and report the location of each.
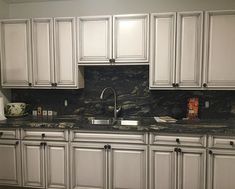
(101, 121)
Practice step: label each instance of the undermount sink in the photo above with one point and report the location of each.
(101, 121)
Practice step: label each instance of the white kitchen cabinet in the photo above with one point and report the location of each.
(219, 48)
(121, 39)
(16, 68)
(45, 164)
(54, 53)
(171, 66)
(221, 169)
(10, 163)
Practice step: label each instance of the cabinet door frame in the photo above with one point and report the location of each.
(15, 83)
(92, 146)
(125, 147)
(42, 183)
(210, 163)
(196, 82)
(174, 162)
(16, 145)
(36, 81)
(49, 184)
(94, 60)
(202, 153)
(213, 84)
(144, 59)
(162, 83)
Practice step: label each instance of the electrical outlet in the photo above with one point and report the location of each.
(207, 104)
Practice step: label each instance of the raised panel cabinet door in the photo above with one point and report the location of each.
(88, 166)
(65, 53)
(43, 56)
(15, 53)
(189, 49)
(33, 159)
(162, 63)
(57, 166)
(219, 49)
(94, 39)
(127, 166)
(221, 169)
(162, 167)
(191, 168)
(10, 164)
(131, 38)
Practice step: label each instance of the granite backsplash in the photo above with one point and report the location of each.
(132, 86)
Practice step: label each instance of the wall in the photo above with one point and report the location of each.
(131, 84)
(4, 13)
(98, 7)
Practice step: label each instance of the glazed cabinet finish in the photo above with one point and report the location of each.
(118, 39)
(45, 165)
(16, 53)
(219, 49)
(10, 162)
(221, 169)
(171, 66)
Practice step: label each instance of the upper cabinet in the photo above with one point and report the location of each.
(176, 60)
(53, 56)
(219, 49)
(121, 39)
(15, 53)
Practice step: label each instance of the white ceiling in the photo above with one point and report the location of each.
(31, 1)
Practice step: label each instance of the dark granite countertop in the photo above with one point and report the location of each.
(147, 124)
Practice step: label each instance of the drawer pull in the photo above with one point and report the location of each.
(176, 149)
(17, 143)
(43, 135)
(210, 152)
(231, 143)
(1, 133)
(177, 140)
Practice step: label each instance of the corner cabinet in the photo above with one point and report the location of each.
(173, 67)
(15, 49)
(219, 49)
(54, 53)
(118, 39)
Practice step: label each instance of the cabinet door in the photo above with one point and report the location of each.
(65, 52)
(191, 168)
(162, 67)
(94, 40)
(10, 171)
(189, 49)
(221, 169)
(162, 167)
(219, 49)
(88, 166)
(130, 38)
(57, 165)
(43, 57)
(15, 53)
(33, 164)
(128, 167)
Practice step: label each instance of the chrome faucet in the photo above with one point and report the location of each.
(115, 111)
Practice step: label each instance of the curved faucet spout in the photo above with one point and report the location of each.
(115, 99)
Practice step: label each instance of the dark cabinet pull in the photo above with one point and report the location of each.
(42, 144)
(105, 147)
(1, 133)
(173, 84)
(176, 149)
(30, 84)
(179, 150)
(111, 60)
(231, 143)
(177, 85)
(210, 152)
(17, 142)
(109, 147)
(52, 84)
(177, 140)
(55, 84)
(204, 85)
(45, 143)
(43, 135)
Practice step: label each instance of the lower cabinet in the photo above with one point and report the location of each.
(108, 166)
(177, 168)
(10, 163)
(45, 164)
(221, 169)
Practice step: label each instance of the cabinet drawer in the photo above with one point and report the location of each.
(134, 138)
(46, 134)
(181, 140)
(221, 142)
(9, 134)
